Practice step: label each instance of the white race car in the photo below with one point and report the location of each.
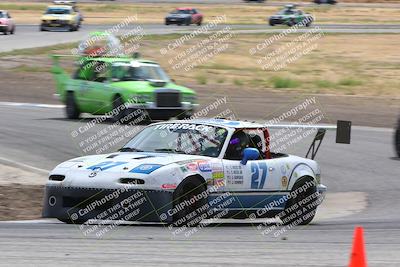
(184, 171)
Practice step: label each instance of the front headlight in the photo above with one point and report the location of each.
(189, 98)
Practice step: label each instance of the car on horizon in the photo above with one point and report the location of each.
(291, 16)
(188, 169)
(61, 17)
(184, 15)
(7, 24)
(331, 2)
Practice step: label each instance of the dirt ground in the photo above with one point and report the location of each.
(21, 202)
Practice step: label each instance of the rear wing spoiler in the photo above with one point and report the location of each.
(343, 134)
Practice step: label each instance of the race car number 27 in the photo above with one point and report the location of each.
(258, 174)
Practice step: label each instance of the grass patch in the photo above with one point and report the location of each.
(279, 82)
(201, 79)
(349, 82)
(324, 84)
(237, 82)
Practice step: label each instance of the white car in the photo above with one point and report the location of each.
(184, 171)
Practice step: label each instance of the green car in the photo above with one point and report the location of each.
(291, 16)
(102, 85)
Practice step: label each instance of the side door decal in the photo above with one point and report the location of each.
(258, 168)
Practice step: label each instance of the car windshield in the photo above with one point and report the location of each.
(179, 138)
(138, 72)
(58, 11)
(181, 11)
(286, 11)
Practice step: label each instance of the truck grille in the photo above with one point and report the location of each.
(168, 99)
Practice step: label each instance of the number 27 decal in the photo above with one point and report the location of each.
(257, 180)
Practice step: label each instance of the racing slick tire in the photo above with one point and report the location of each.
(71, 107)
(120, 114)
(189, 191)
(397, 139)
(291, 23)
(297, 210)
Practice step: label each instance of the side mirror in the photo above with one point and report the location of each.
(249, 154)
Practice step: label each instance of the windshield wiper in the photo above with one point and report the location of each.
(130, 149)
(169, 150)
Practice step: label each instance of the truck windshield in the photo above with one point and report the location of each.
(126, 72)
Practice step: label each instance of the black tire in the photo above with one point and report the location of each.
(41, 28)
(71, 108)
(297, 212)
(13, 30)
(199, 23)
(117, 106)
(190, 187)
(166, 23)
(397, 139)
(308, 24)
(5, 32)
(187, 22)
(271, 23)
(291, 23)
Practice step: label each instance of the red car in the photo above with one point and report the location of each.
(6, 23)
(184, 15)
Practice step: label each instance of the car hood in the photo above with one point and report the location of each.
(105, 171)
(147, 87)
(126, 161)
(3, 21)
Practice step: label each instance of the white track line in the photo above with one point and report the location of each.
(35, 105)
(14, 163)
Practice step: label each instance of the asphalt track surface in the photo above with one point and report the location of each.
(40, 137)
(29, 36)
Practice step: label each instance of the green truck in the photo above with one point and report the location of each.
(101, 85)
(291, 16)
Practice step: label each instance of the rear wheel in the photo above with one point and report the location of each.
(300, 210)
(71, 107)
(190, 202)
(12, 30)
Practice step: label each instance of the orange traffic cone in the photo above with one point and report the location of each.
(357, 257)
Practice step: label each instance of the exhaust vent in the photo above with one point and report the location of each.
(57, 177)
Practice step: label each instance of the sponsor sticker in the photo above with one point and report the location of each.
(218, 175)
(168, 186)
(204, 166)
(284, 181)
(192, 166)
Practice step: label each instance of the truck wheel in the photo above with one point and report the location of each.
(397, 139)
(187, 192)
(71, 107)
(301, 209)
(119, 109)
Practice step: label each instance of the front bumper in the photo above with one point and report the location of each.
(175, 20)
(78, 205)
(155, 112)
(61, 25)
(3, 28)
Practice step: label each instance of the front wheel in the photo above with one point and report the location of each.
(119, 109)
(301, 209)
(190, 201)
(71, 107)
